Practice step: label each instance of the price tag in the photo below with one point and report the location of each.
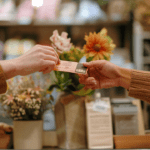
(101, 106)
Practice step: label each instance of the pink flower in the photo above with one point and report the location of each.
(60, 43)
(28, 97)
(9, 99)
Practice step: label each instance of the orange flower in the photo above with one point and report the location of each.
(98, 45)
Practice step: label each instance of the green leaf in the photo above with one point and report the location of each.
(66, 76)
(105, 57)
(83, 92)
(51, 98)
(102, 2)
(66, 56)
(80, 86)
(67, 83)
(109, 39)
(53, 86)
(90, 59)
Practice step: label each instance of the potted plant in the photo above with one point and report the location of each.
(25, 103)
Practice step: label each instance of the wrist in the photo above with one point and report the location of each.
(125, 77)
(9, 68)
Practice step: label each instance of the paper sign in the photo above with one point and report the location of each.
(72, 67)
(100, 106)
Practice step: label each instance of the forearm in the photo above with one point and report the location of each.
(9, 68)
(140, 85)
(125, 77)
(137, 83)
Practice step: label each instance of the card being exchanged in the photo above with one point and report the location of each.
(72, 67)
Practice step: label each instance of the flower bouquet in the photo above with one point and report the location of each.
(70, 107)
(26, 101)
(98, 46)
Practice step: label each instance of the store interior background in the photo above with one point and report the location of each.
(23, 23)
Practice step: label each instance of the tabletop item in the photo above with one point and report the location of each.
(99, 123)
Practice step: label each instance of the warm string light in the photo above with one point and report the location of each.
(37, 3)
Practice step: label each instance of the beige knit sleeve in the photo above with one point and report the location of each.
(140, 85)
(3, 84)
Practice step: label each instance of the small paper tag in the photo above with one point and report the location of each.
(101, 106)
(72, 67)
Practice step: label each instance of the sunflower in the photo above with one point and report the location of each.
(98, 46)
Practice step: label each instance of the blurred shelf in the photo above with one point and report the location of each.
(57, 23)
(146, 34)
(146, 60)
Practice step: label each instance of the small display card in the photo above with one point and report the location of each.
(101, 106)
(72, 67)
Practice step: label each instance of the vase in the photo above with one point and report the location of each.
(28, 134)
(70, 121)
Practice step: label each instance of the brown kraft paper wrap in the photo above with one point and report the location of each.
(70, 122)
(99, 127)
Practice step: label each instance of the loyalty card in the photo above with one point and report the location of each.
(72, 67)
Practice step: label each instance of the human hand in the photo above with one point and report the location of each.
(37, 59)
(104, 74)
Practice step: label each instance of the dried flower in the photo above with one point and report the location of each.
(9, 99)
(24, 101)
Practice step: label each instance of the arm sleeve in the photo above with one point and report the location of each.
(3, 84)
(140, 85)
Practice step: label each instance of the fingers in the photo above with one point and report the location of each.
(47, 70)
(96, 63)
(50, 51)
(48, 66)
(82, 78)
(90, 87)
(88, 81)
(50, 57)
(51, 48)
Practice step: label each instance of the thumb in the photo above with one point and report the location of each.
(86, 64)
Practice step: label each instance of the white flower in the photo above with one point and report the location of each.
(36, 112)
(23, 112)
(37, 106)
(20, 109)
(34, 100)
(61, 43)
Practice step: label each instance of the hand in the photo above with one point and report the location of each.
(37, 59)
(104, 74)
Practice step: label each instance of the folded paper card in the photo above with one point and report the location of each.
(72, 67)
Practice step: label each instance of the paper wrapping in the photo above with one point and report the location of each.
(70, 122)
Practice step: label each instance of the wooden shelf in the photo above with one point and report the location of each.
(57, 23)
(146, 60)
(146, 34)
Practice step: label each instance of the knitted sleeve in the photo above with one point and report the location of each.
(140, 85)
(3, 84)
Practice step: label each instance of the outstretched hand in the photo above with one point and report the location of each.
(39, 58)
(104, 74)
